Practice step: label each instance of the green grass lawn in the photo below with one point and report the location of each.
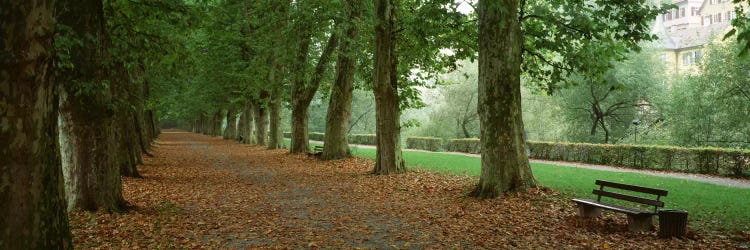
(709, 205)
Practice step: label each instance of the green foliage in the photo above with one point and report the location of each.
(425, 143)
(602, 109)
(562, 37)
(711, 109)
(741, 27)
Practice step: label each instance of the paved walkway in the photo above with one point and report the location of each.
(722, 181)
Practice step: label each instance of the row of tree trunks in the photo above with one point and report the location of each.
(336, 145)
(32, 200)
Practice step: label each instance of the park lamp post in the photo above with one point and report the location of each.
(636, 122)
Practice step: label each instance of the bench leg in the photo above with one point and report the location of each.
(588, 211)
(640, 223)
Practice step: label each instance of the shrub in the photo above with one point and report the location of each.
(425, 143)
(467, 145)
(366, 139)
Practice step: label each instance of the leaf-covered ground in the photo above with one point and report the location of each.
(205, 192)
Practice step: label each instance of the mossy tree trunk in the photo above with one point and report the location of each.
(32, 199)
(261, 124)
(92, 175)
(276, 135)
(336, 145)
(505, 166)
(385, 87)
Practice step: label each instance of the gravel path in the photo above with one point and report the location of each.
(722, 181)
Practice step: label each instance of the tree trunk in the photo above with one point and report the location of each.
(230, 133)
(92, 176)
(205, 128)
(276, 136)
(261, 124)
(464, 129)
(32, 200)
(302, 94)
(128, 153)
(216, 124)
(242, 125)
(247, 120)
(336, 145)
(385, 87)
(505, 166)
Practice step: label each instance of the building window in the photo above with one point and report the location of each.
(694, 11)
(685, 59)
(697, 56)
(692, 57)
(706, 20)
(717, 18)
(669, 16)
(682, 12)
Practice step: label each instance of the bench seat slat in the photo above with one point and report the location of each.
(632, 188)
(613, 207)
(629, 198)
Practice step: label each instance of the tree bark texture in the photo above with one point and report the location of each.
(230, 133)
(204, 126)
(385, 87)
(303, 92)
(261, 124)
(32, 203)
(245, 126)
(216, 124)
(92, 175)
(276, 135)
(128, 148)
(336, 145)
(505, 166)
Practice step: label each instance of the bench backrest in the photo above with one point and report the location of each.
(656, 203)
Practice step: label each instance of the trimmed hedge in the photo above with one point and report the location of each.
(425, 143)
(467, 145)
(315, 136)
(716, 161)
(366, 139)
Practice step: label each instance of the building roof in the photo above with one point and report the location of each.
(689, 37)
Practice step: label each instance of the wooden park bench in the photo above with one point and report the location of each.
(638, 219)
(317, 151)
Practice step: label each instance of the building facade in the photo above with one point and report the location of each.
(683, 32)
